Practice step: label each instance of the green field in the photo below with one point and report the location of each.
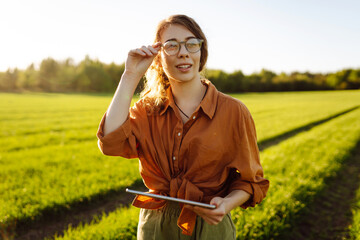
(50, 166)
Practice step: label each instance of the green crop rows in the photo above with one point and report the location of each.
(355, 226)
(120, 224)
(294, 175)
(296, 169)
(49, 159)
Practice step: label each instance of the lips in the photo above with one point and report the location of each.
(184, 66)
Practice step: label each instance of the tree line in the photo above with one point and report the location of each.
(91, 75)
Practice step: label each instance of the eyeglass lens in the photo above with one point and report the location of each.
(192, 45)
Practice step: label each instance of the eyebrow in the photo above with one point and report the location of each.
(172, 39)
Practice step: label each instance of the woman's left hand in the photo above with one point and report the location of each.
(223, 206)
(211, 216)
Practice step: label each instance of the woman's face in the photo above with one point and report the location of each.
(183, 66)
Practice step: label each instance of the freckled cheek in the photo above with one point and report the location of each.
(197, 62)
(168, 67)
(166, 62)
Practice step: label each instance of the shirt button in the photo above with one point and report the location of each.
(174, 158)
(194, 117)
(179, 134)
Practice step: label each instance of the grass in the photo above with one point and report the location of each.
(354, 228)
(118, 225)
(49, 158)
(294, 175)
(53, 177)
(297, 169)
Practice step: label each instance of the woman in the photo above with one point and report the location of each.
(193, 142)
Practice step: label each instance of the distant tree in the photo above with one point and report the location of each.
(254, 82)
(266, 80)
(66, 75)
(332, 80)
(91, 76)
(115, 72)
(29, 79)
(94, 76)
(281, 82)
(47, 75)
(9, 80)
(217, 77)
(236, 82)
(354, 79)
(302, 82)
(320, 82)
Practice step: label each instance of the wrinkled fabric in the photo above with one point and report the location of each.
(161, 224)
(212, 154)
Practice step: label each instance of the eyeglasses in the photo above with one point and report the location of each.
(192, 45)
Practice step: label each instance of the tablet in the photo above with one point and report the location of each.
(158, 196)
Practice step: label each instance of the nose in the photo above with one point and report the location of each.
(183, 52)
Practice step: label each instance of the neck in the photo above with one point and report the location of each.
(188, 94)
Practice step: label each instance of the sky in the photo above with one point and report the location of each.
(279, 35)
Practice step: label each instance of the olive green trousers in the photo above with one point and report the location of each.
(161, 224)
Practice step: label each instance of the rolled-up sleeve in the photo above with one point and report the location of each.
(123, 140)
(247, 173)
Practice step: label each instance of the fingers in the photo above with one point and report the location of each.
(152, 50)
(208, 212)
(216, 201)
(157, 45)
(213, 221)
(137, 51)
(148, 51)
(211, 216)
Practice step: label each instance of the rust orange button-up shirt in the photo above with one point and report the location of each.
(210, 155)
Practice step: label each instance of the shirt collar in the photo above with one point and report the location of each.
(208, 104)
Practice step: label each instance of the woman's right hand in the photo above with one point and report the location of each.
(140, 59)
